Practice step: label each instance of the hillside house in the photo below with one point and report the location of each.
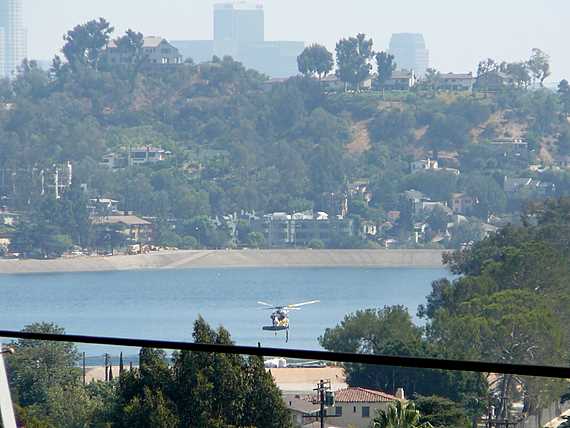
(402, 80)
(462, 203)
(424, 165)
(156, 51)
(457, 82)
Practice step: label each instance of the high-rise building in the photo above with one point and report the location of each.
(13, 37)
(239, 32)
(240, 22)
(410, 52)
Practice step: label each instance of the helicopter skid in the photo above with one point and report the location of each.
(273, 328)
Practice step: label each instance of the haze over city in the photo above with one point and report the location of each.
(458, 34)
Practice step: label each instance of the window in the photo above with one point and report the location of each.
(338, 411)
(354, 409)
(365, 411)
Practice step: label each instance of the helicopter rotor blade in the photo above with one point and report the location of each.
(266, 304)
(297, 305)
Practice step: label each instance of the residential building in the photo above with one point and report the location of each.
(462, 203)
(562, 162)
(360, 189)
(512, 152)
(457, 81)
(102, 207)
(424, 165)
(356, 407)
(135, 156)
(13, 37)
(515, 186)
(410, 52)
(136, 229)
(156, 50)
(302, 409)
(239, 32)
(299, 229)
(401, 80)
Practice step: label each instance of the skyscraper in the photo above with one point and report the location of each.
(241, 22)
(239, 32)
(410, 52)
(13, 43)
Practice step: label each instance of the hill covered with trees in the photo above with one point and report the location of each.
(238, 142)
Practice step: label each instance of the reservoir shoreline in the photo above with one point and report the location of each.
(230, 259)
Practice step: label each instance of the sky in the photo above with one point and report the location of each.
(459, 33)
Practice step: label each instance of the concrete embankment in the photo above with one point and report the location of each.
(233, 258)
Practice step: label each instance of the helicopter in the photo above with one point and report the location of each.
(280, 316)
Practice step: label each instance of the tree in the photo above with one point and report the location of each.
(40, 369)
(353, 60)
(386, 66)
(519, 72)
(564, 94)
(432, 79)
(539, 66)
(84, 45)
(441, 412)
(315, 59)
(399, 415)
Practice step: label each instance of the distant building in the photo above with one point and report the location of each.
(157, 51)
(424, 165)
(461, 203)
(136, 228)
(289, 230)
(401, 80)
(13, 37)
(135, 156)
(410, 52)
(457, 81)
(239, 32)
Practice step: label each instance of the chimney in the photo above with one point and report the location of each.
(400, 394)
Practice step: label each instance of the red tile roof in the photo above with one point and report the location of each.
(362, 395)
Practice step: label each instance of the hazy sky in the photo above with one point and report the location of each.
(458, 32)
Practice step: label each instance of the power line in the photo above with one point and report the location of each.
(558, 372)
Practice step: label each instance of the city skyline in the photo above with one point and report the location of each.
(457, 38)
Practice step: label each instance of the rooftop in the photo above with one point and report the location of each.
(129, 220)
(362, 395)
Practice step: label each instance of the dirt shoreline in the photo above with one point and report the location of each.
(230, 259)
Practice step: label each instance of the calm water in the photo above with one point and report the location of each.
(164, 304)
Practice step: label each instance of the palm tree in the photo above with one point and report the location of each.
(399, 415)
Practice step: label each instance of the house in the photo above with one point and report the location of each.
(401, 80)
(302, 409)
(461, 203)
(148, 154)
(356, 407)
(331, 83)
(102, 207)
(431, 165)
(135, 156)
(361, 190)
(424, 165)
(136, 228)
(457, 81)
(515, 186)
(514, 152)
(562, 162)
(156, 51)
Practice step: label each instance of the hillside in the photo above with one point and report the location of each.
(193, 147)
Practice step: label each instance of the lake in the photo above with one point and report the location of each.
(164, 304)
